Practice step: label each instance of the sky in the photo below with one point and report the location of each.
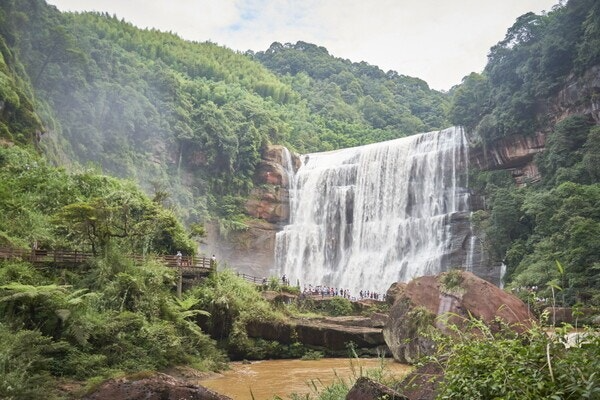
(439, 41)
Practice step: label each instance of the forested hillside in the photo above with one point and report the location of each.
(548, 233)
(359, 102)
(190, 119)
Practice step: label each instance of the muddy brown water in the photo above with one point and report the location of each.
(262, 380)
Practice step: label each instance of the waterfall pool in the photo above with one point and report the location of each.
(262, 380)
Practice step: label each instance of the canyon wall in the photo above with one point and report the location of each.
(251, 251)
(579, 96)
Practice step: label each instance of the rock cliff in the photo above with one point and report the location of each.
(330, 335)
(252, 251)
(580, 95)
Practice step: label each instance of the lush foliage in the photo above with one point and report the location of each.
(356, 103)
(102, 317)
(233, 302)
(526, 69)
(44, 206)
(190, 119)
(557, 219)
(534, 365)
(18, 121)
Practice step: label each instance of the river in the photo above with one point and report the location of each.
(262, 380)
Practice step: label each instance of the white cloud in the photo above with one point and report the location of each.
(438, 41)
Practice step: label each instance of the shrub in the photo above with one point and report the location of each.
(506, 365)
(24, 364)
(339, 306)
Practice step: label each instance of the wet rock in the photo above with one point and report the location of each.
(155, 387)
(455, 294)
(367, 389)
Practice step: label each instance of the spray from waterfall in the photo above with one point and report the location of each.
(365, 217)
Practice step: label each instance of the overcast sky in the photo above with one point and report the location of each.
(439, 41)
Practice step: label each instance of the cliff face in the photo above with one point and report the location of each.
(252, 251)
(579, 96)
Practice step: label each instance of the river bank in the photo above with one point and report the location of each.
(262, 380)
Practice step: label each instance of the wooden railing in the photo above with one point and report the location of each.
(252, 279)
(188, 264)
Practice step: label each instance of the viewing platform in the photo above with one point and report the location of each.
(189, 266)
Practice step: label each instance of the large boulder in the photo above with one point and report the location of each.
(331, 335)
(154, 387)
(436, 302)
(367, 389)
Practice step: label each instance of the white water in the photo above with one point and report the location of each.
(474, 251)
(502, 273)
(365, 217)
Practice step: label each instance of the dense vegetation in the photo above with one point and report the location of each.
(527, 69)
(358, 102)
(100, 318)
(481, 364)
(556, 221)
(190, 119)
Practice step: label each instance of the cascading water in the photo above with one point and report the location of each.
(365, 217)
(474, 250)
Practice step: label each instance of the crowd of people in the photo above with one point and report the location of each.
(326, 291)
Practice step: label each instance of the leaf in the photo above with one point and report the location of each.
(554, 285)
(561, 269)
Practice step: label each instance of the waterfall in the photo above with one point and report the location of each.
(474, 250)
(365, 217)
(502, 274)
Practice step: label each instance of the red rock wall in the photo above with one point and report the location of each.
(252, 251)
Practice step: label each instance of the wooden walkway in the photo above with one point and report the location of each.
(188, 265)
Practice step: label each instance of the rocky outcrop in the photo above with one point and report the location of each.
(155, 387)
(269, 200)
(423, 382)
(580, 95)
(367, 389)
(467, 252)
(330, 335)
(252, 250)
(514, 153)
(419, 304)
